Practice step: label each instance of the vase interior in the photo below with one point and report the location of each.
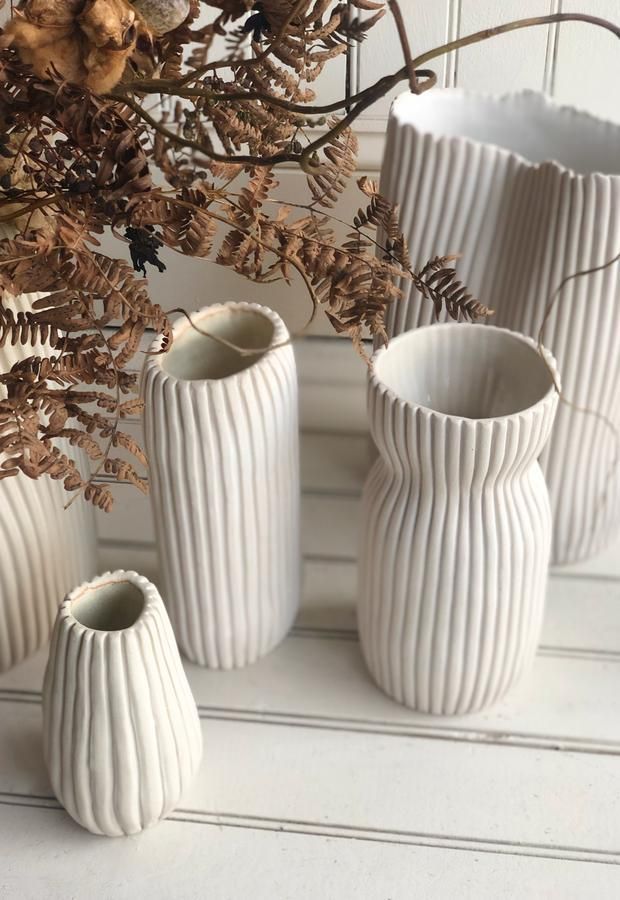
(197, 357)
(108, 606)
(527, 124)
(465, 371)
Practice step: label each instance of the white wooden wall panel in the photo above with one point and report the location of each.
(380, 54)
(337, 781)
(508, 62)
(588, 60)
(577, 63)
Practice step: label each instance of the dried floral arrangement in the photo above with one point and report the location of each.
(83, 152)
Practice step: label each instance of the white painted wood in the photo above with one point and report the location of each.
(508, 62)
(329, 461)
(588, 60)
(581, 615)
(188, 858)
(333, 470)
(327, 522)
(569, 702)
(576, 62)
(605, 565)
(381, 53)
(314, 784)
(509, 799)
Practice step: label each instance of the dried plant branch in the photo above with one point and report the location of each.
(404, 42)
(82, 152)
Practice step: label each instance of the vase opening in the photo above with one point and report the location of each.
(527, 124)
(196, 357)
(465, 371)
(108, 605)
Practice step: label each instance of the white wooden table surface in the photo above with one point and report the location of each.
(316, 785)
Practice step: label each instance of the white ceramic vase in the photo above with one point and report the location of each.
(44, 549)
(529, 193)
(121, 732)
(221, 433)
(456, 526)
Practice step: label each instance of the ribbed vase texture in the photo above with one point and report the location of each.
(44, 549)
(456, 524)
(121, 732)
(472, 175)
(222, 439)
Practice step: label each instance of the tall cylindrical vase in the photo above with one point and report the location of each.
(456, 524)
(221, 434)
(44, 549)
(529, 193)
(121, 733)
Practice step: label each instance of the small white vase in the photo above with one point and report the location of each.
(456, 522)
(44, 549)
(529, 193)
(121, 732)
(221, 432)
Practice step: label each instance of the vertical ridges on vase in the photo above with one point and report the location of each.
(225, 490)
(122, 737)
(455, 541)
(44, 549)
(521, 228)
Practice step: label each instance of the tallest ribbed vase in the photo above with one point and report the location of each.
(528, 193)
(221, 434)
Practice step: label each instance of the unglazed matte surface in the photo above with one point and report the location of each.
(314, 784)
(222, 439)
(456, 525)
(44, 549)
(121, 732)
(529, 193)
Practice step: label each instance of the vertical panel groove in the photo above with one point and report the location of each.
(551, 50)
(453, 32)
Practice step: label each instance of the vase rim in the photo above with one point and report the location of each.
(561, 115)
(542, 355)
(182, 326)
(149, 599)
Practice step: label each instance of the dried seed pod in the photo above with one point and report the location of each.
(162, 16)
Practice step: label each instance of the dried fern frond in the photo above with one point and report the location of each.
(197, 177)
(437, 281)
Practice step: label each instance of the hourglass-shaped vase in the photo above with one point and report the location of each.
(456, 519)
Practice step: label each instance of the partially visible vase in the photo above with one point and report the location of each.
(44, 549)
(121, 732)
(221, 433)
(456, 524)
(529, 193)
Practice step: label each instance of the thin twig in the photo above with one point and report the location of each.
(404, 43)
(360, 102)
